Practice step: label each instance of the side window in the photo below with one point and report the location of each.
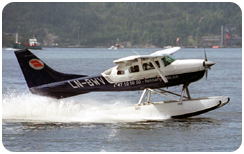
(149, 66)
(120, 72)
(134, 69)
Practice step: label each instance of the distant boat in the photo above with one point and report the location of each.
(117, 46)
(33, 44)
(112, 47)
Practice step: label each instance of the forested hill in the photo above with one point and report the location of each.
(102, 24)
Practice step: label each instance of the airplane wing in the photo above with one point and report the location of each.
(169, 51)
(129, 59)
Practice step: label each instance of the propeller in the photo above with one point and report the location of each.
(207, 64)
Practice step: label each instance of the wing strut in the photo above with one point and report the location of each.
(158, 70)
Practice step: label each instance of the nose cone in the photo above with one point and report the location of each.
(208, 64)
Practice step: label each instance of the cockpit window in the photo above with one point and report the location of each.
(167, 59)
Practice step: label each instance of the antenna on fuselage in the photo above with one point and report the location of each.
(135, 52)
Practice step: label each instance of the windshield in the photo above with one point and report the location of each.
(167, 59)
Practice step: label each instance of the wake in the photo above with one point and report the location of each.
(27, 107)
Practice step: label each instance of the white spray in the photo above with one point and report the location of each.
(28, 107)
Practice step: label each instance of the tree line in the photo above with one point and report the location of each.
(102, 24)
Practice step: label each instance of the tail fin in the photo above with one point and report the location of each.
(36, 72)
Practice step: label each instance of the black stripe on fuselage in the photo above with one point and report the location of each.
(99, 83)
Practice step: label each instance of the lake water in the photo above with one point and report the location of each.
(91, 122)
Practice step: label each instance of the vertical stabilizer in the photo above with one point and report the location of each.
(36, 72)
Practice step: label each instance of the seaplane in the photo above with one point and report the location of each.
(152, 74)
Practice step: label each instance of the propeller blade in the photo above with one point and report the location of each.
(205, 55)
(206, 71)
(207, 64)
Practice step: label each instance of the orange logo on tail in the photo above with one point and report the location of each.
(36, 64)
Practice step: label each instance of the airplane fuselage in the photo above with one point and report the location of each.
(100, 83)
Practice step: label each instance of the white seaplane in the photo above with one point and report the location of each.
(149, 73)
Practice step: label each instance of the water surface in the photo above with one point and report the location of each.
(92, 122)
